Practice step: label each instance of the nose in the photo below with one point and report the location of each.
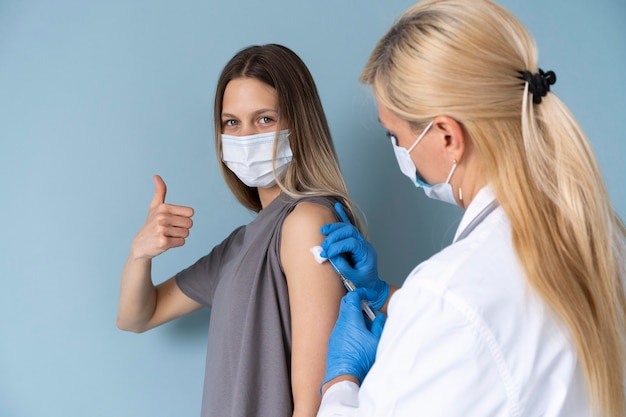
(248, 129)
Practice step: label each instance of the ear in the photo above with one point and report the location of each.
(453, 134)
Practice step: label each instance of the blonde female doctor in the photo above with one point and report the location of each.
(524, 314)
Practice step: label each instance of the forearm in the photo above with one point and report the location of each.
(137, 295)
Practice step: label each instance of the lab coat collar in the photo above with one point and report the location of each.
(483, 198)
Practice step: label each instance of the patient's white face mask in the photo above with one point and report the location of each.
(441, 191)
(250, 157)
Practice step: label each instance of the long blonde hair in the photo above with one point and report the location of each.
(314, 169)
(465, 59)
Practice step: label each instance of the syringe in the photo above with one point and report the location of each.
(350, 287)
(316, 250)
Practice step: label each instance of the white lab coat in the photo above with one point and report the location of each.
(466, 336)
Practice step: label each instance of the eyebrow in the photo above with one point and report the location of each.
(256, 113)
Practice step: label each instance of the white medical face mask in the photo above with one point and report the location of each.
(250, 157)
(441, 191)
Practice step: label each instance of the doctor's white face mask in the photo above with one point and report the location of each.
(250, 157)
(441, 191)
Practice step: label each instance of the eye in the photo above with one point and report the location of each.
(230, 123)
(265, 120)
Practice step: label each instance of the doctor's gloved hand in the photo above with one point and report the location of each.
(360, 264)
(353, 342)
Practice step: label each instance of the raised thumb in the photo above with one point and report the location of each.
(160, 191)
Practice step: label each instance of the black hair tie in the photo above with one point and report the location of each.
(539, 83)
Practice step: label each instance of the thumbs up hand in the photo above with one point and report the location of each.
(167, 226)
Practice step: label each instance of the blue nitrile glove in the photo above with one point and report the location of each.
(360, 265)
(352, 344)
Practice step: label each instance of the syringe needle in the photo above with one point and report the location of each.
(350, 287)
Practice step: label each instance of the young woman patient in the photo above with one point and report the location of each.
(272, 305)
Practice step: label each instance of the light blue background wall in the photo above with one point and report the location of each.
(95, 97)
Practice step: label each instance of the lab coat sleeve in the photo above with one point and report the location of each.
(439, 357)
(340, 400)
(436, 358)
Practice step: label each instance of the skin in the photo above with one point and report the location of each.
(445, 141)
(249, 107)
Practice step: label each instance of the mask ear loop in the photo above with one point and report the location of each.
(420, 137)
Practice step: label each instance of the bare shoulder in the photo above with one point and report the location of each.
(301, 231)
(308, 215)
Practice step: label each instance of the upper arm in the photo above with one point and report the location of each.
(315, 292)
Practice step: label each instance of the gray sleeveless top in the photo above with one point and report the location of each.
(249, 349)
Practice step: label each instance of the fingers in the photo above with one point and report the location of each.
(378, 324)
(162, 231)
(170, 215)
(348, 245)
(159, 193)
(167, 225)
(174, 226)
(332, 227)
(342, 213)
(338, 231)
(350, 308)
(355, 297)
(173, 221)
(341, 264)
(171, 210)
